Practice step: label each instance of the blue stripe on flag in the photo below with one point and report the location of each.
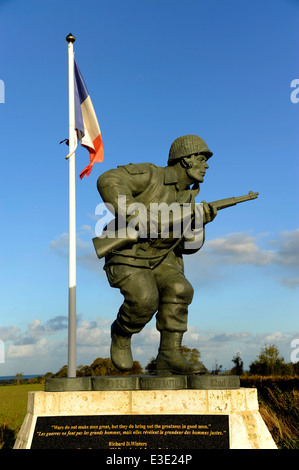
(78, 114)
(82, 90)
(81, 94)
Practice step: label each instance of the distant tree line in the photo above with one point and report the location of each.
(268, 363)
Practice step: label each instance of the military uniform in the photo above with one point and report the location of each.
(149, 274)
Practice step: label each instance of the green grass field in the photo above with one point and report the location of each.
(13, 407)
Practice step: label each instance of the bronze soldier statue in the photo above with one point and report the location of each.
(147, 286)
(149, 271)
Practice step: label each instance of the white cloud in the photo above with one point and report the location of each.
(9, 333)
(60, 245)
(239, 248)
(274, 337)
(92, 333)
(36, 328)
(86, 255)
(226, 337)
(149, 335)
(43, 345)
(290, 283)
(247, 250)
(287, 245)
(242, 248)
(88, 229)
(22, 351)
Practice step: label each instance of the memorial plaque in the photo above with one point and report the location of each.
(132, 432)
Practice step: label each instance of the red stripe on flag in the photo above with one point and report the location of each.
(96, 155)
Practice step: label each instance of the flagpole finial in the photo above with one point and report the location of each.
(70, 38)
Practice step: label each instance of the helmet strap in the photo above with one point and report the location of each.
(185, 164)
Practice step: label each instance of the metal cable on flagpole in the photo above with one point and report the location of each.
(72, 214)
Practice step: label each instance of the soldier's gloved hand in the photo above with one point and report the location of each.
(209, 212)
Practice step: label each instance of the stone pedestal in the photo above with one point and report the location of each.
(237, 407)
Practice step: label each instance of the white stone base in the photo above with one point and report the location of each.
(247, 429)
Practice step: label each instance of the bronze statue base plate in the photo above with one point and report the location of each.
(143, 382)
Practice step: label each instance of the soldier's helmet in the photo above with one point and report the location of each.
(185, 146)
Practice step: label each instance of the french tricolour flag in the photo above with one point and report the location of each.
(86, 123)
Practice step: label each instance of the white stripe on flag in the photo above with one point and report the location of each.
(90, 119)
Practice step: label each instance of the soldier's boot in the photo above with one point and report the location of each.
(170, 359)
(120, 350)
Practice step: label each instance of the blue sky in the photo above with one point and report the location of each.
(155, 70)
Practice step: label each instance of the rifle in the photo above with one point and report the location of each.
(232, 201)
(104, 245)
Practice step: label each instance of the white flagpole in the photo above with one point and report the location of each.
(72, 214)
